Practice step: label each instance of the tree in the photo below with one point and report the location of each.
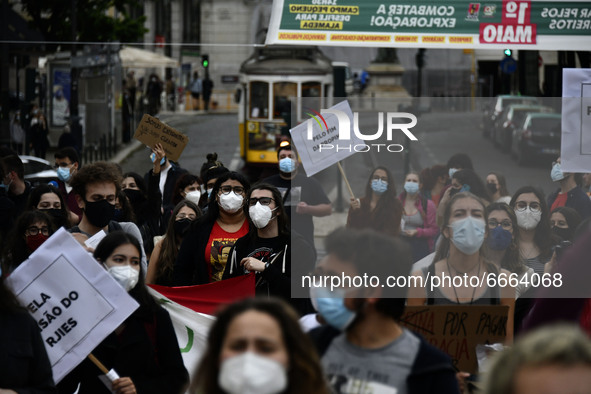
(53, 18)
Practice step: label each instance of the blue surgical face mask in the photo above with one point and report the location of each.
(452, 171)
(153, 159)
(209, 193)
(63, 174)
(556, 174)
(379, 186)
(287, 165)
(468, 234)
(331, 306)
(499, 238)
(411, 187)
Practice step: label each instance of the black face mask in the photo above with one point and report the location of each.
(565, 234)
(134, 196)
(99, 213)
(58, 217)
(492, 188)
(182, 226)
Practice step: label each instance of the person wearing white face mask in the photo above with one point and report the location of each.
(419, 218)
(535, 235)
(303, 197)
(144, 349)
(570, 194)
(267, 249)
(203, 254)
(256, 346)
(459, 253)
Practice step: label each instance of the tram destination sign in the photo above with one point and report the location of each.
(520, 24)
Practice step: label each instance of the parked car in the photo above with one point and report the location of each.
(500, 103)
(539, 136)
(512, 117)
(37, 170)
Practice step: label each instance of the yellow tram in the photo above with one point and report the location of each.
(270, 81)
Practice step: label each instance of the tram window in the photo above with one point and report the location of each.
(312, 92)
(259, 99)
(282, 91)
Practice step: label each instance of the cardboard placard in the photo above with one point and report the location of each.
(151, 131)
(457, 329)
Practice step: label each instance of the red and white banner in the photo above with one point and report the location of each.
(191, 309)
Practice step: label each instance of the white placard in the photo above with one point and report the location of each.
(326, 138)
(575, 150)
(75, 302)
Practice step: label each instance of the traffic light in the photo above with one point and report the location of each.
(205, 61)
(508, 52)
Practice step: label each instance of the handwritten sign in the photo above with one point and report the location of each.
(73, 299)
(151, 131)
(458, 329)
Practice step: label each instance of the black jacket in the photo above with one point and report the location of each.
(174, 174)
(147, 351)
(24, 366)
(273, 281)
(190, 267)
(431, 372)
(576, 199)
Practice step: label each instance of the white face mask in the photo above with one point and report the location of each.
(231, 202)
(125, 275)
(250, 373)
(527, 219)
(193, 196)
(260, 215)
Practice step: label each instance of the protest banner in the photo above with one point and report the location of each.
(495, 24)
(75, 302)
(191, 309)
(151, 131)
(458, 329)
(575, 148)
(326, 138)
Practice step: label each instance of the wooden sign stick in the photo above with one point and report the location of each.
(98, 364)
(345, 178)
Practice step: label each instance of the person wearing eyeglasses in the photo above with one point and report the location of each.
(535, 235)
(570, 194)
(502, 243)
(166, 250)
(267, 248)
(31, 230)
(201, 258)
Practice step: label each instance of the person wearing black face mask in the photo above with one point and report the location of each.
(96, 186)
(146, 201)
(564, 221)
(166, 250)
(48, 199)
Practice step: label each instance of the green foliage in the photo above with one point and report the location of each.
(95, 21)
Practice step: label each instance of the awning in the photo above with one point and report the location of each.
(140, 58)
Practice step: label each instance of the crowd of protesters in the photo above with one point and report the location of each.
(172, 227)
